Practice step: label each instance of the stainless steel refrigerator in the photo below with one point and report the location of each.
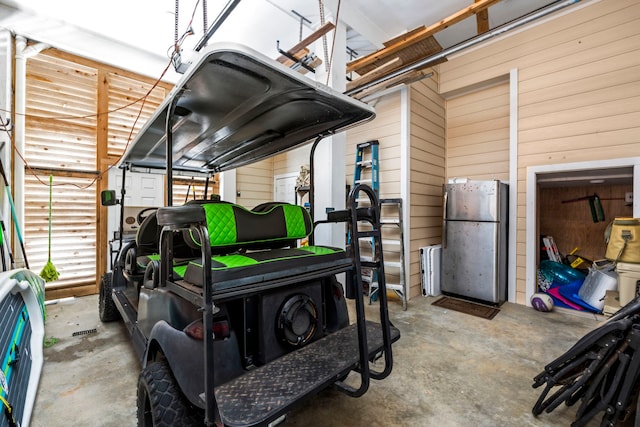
(474, 240)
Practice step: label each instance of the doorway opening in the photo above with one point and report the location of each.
(560, 201)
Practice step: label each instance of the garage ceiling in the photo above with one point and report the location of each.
(138, 34)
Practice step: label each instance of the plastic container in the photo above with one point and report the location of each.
(596, 285)
(560, 274)
(628, 277)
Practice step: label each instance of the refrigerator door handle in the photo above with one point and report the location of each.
(444, 220)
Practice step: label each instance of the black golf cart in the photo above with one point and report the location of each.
(233, 320)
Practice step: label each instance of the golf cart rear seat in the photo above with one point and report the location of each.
(146, 250)
(251, 247)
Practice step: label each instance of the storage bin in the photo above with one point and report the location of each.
(628, 276)
(596, 285)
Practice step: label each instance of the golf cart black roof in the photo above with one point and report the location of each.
(233, 107)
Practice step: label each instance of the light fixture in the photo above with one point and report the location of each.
(596, 181)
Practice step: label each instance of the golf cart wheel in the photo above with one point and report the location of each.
(106, 306)
(160, 402)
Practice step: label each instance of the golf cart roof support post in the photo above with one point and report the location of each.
(312, 192)
(169, 142)
(123, 191)
(212, 414)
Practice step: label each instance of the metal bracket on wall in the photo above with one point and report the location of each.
(293, 58)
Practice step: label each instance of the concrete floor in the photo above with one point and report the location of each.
(450, 369)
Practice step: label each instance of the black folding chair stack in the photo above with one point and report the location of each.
(600, 371)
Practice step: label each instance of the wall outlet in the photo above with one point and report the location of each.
(628, 197)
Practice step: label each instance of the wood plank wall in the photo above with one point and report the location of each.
(571, 224)
(579, 91)
(427, 164)
(77, 125)
(254, 183)
(478, 134)
(386, 129)
(291, 161)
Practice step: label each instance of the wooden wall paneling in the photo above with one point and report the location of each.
(68, 132)
(427, 172)
(571, 224)
(61, 102)
(567, 91)
(73, 232)
(255, 183)
(478, 130)
(125, 112)
(291, 161)
(60, 114)
(536, 44)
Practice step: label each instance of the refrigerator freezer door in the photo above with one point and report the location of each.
(473, 201)
(473, 261)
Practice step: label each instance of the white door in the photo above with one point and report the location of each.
(285, 188)
(142, 190)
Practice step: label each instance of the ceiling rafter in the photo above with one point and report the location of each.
(419, 36)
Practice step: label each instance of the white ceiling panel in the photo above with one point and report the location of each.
(132, 33)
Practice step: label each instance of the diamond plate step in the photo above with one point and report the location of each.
(267, 392)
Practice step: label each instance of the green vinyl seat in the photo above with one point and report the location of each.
(251, 247)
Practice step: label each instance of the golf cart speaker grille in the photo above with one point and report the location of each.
(297, 321)
(290, 319)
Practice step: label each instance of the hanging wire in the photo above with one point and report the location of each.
(333, 42)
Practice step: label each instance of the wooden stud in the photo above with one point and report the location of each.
(102, 138)
(482, 20)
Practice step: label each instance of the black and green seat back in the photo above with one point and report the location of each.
(232, 227)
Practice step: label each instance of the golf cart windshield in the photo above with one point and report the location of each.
(234, 107)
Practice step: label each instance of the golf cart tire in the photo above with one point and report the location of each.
(106, 307)
(160, 402)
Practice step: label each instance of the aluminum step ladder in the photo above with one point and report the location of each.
(367, 171)
(393, 247)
